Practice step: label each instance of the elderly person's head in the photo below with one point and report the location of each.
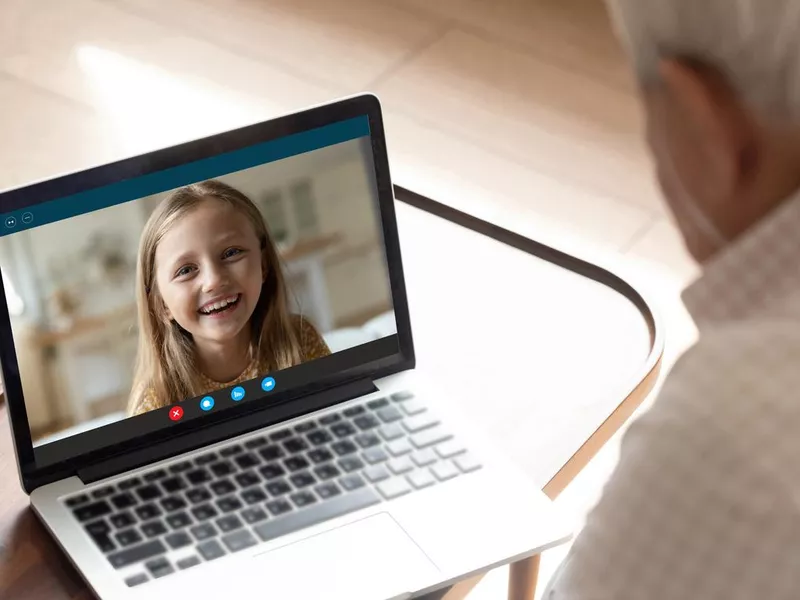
(720, 82)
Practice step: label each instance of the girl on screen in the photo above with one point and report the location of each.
(212, 300)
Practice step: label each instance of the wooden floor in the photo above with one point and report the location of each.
(519, 111)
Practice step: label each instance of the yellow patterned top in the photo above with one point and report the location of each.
(311, 346)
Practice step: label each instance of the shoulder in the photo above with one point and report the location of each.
(144, 401)
(312, 344)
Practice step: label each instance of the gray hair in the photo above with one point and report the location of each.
(754, 43)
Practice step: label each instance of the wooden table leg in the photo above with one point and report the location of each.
(522, 577)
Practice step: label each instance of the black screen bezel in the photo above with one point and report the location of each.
(367, 105)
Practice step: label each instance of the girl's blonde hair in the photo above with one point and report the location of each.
(166, 364)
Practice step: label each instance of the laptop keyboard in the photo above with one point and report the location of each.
(229, 499)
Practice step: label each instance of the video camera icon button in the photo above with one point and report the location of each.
(268, 384)
(207, 403)
(237, 393)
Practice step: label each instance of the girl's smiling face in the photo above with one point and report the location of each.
(209, 270)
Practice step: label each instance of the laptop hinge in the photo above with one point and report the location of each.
(226, 430)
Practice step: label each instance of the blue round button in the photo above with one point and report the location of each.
(268, 384)
(237, 393)
(207, 403)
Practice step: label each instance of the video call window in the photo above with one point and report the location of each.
(144, 304)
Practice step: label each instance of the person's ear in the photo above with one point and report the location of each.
(715, 152)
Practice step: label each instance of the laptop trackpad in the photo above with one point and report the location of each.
(371, 559)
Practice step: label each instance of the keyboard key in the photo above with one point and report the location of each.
(450, 448)
(348, 464)
(122, 520)
(400, 465)
(343, 429)
(421, 479)
(254, 514)
(392, 431)
(305, 427)
(247, 479)
(246, 461)
(365, 422)
(188, 562)
(129, 483)
(272, 471)
(296, 463)
(420, 422)
(153, 475)
(136, 554)
(76, 500)
(153, 529)
(327, 471)
(229, 504)
(137, 579)
(330, 419)
(222, 468)
(319, 437)
(147, 511)
(367, 440)
(103, 492)
(390, 414)
(320, 455)
(375, 455)
(95, 510)
(210, 550)
(198, 495)
(393, 488)
(413, 407)
(148, 492)
(344, 447)
(351, 482)
(239, 540)
(127, 537)
(178, 520)
(377, 403)
(229, 523)
(159, 567)
(424, 457)
(179, 539)
(302, 499)
(173, 503)
(278, 488)
(429, 437)
(445, 470)
(223, 487)
(255, 443)
(231, 450)
(203, 531)
(253, 496)
(399, 447)
(204, 512)
(205, 459)
(278, 507)
(100, 532)
(198, 476)
(376, 473)
(180, 467)
(354, 411)
(327, 490)
(295, 445)
(323, 511)
(467, 463)
(402, 396)
(303, 479)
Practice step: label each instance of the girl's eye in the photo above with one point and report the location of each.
(183, 271)
(231, 252)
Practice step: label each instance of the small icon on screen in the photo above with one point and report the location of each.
(175, 413)
(27, 217)
(207, 403)
(268, 384)
(237, 393)
(11, 222)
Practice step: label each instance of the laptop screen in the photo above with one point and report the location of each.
(185, 292)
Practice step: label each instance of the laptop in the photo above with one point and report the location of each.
(211, 379)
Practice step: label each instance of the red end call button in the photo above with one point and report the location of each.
(175, 413)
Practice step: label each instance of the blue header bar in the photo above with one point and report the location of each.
(168, 179)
